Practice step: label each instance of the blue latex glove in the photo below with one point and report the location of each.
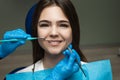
(66, 67)
(7, 48)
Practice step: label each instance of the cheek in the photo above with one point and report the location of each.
(67, 36)
(41, 33)
(69, 39)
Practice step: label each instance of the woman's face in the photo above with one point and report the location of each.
(55, 28)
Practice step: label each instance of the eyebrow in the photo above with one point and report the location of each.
(60, 21)
(44, 21)
(63, 21)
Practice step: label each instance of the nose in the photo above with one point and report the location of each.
(54, 32)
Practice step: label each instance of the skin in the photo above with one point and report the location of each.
(55, 28)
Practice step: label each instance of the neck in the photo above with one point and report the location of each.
(50, 60)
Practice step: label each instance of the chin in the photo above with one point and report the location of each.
(55, 52)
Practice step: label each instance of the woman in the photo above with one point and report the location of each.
(55, 23)
(69, 12)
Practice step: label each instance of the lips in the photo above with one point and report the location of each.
(54, 42)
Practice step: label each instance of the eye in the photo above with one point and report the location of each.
(65, 25)
(43, 25)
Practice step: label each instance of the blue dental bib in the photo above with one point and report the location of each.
(98, 70)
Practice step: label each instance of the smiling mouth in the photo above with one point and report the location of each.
(54, 42)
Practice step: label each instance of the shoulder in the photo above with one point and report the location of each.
(83, 62)
(15, 70)
(37, 66)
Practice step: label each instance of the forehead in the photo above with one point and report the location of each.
(52, 12)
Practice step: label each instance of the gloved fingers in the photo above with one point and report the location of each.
(77, 56)
(17, 34)
(70, 46)
(19, 43)
(66, 52)
(20, 31)
(71, 59)
(75, 67)
(72, 56)
(65, 59)
(20, 34)
(13, 44)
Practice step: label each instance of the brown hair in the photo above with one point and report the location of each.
(70, 12)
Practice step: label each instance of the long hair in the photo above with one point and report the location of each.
(70, 12)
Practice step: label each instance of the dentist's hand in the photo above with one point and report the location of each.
(66, 67)
(7, 48)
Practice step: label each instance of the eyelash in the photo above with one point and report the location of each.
(64, 25)
(43, 25)
(60, 25)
